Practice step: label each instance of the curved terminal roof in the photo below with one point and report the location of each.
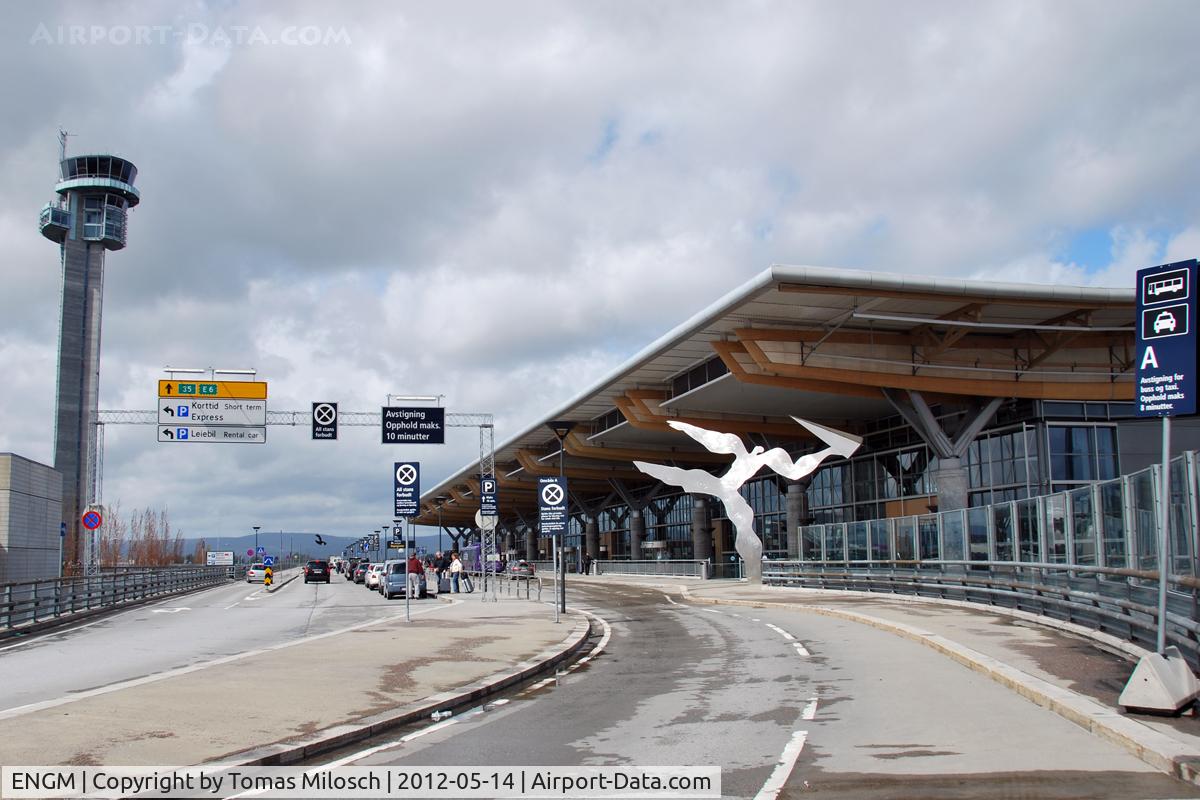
(821, 343)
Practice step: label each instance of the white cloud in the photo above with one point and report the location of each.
(501, 202)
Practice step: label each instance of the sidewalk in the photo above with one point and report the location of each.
(280, 705)
(1075, 672)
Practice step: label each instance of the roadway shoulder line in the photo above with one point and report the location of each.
(783, 769)
(29, 708)
(1156, 749)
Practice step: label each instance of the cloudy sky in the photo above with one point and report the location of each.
(499, 202)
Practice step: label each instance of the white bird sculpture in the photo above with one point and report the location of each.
(745, 465)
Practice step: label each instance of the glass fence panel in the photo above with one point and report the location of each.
(1083, 526)
(1141, 501)
(1112, 521)
(1002, 526)
(810, 542)
(906, 539)
(1056, 528)
(856, 541)
(927, 528)
(1030, 544)
(881, 539)
(977, 533)
(1180, 523)
(835, 547)
(953, 531)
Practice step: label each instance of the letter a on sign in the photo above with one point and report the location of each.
(1149, 359)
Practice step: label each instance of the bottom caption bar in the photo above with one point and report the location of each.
(365, 782)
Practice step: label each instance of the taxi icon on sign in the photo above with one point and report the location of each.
(1165, 321)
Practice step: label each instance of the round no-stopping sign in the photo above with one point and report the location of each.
(406, 474)
(91, 520)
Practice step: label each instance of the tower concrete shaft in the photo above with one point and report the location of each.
(95, 193)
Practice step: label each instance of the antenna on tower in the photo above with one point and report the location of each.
(62, 144)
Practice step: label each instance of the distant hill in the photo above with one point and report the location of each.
(302, 543)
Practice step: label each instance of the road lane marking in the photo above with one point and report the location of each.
(669, 600)
(801, 650)
(168, 610)
(28, 708)
(787, 762)
(752, 619)
(781, 632)
(810, 710)
(713, 611)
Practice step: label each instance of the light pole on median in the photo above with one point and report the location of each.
(256, 527)
(441, 498)
(561, 428)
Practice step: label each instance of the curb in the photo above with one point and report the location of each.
(1156, 749)
(289, 752)
(276, 586)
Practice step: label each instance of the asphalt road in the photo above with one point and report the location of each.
(179, 633)
(787, 705)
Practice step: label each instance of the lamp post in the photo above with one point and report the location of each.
(561, 428)
(441, 498)
(256, 527)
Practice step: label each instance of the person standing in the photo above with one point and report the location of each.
(456, 568)
(413, 572)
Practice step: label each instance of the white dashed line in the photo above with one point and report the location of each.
(810, 710)
(713, 611)
(787, 762)
(801, 650)
(781, 632)
(752, 619)
(669, 600)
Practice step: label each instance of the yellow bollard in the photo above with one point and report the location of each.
(267, 577)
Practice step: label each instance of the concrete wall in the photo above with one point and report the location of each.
(30, 516)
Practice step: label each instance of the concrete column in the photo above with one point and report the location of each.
(951, 477)
(591, 537)
(531, 543)
(637, 532)
(701, 530)
(797, 511)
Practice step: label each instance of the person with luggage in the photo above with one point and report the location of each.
(413, 572)
(456, 568)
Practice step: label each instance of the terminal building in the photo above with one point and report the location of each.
(976, 401)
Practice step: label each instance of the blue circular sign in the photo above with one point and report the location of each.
(91, 520)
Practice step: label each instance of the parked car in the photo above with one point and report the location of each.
(521, 569)
(393, 579)
(371, 578)
(351, 565)
(257, 573)
(316, 571)
(360, 571)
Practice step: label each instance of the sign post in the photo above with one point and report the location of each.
(552, 519)
(1164, 386)
(407, 480)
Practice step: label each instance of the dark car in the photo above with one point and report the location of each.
(316, 571)
(360, 571)
(351, 565)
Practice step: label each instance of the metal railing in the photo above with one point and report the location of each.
(1120, 602)
(683, 568)
(30, 602)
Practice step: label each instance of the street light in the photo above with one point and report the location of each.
(441, 498)
(256, 527)
(561, 428)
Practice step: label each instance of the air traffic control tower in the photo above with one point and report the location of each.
(95, 195)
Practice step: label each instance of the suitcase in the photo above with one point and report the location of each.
(444, 586)
(465, 583)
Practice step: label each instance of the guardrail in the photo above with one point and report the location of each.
(683, 568)
(1120, 602)
(513, 583)
(31, 602)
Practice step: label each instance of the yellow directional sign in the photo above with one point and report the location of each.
(237, 390)
(267, 577)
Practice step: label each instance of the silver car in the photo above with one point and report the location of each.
(256, 574)
(394, 579)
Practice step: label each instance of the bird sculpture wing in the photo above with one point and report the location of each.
(691, 480)
(839, 444)
(714, 441)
